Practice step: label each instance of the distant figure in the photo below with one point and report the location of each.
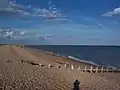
(76, 85)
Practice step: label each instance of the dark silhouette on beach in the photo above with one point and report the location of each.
(76, 85)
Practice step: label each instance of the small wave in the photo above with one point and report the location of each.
(90, 62)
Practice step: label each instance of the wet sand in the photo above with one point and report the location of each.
(20, 69)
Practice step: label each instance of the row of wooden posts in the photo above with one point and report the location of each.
(91, 69)
(85, 69)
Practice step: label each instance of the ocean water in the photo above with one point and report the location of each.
(103, 55)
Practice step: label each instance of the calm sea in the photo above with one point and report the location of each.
(104, 55)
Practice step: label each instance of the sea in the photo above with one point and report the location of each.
(102, 55)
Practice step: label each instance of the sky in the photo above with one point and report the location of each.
(60, 22)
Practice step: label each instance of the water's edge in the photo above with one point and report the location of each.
(67, 56)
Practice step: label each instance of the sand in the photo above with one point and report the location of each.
(20, 69)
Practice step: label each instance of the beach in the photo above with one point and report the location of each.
(28, 69)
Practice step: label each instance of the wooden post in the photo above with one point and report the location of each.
(65, 65)
(114, 69)
(91, 68)
(97, 69)
(78, 68)
(72, 67)
(40, 64)
(22, 61)
(49, 66)
(102, 69)
(85, 68)
(107, 69)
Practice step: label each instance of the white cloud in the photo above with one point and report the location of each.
(16, 12)
(46, 13)
(45, 37)
(7, 9)
(12, 34)
(116, 11)
(18, 34)
(22, 33)
(13, 8)
(15, 5)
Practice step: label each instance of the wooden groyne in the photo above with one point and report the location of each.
(91, 69)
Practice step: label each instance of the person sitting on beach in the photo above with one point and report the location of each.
(76, 85)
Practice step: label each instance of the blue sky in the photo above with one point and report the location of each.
(49, 22)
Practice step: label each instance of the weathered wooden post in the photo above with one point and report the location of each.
(65, 65)
(72, 67)
(78, 68)
(85, 68)
(91, 68)
(112, 69)
(97, 69)
(22, 61)
(107, 69)
(49, 66)
(102, 69)
(40, 64)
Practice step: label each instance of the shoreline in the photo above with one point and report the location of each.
(72, 58)
(66, 57)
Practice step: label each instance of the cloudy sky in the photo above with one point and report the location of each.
(49, 22)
